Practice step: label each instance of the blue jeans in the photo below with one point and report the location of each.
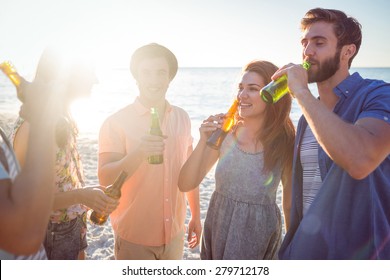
(64, 241)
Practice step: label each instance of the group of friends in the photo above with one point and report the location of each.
(334, 169)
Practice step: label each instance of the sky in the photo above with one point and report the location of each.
(202, 33)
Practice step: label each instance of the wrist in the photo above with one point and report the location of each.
(137, 156)
(195, 213)
(132, 160)
(195, 216)
(79, 198)
(300, 93)
(203, 141)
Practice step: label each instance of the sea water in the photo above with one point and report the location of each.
(200, 91)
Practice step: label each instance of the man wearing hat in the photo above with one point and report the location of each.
(149, 221)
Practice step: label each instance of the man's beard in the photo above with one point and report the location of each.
(326, 69)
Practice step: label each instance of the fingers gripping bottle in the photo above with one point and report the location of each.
(155, 130)
(18, 81)
(275, 90)
(113, 191)
(216, 139)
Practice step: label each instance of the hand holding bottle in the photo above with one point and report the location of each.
(209, 125)
(288, 79)
(95, 198)
(151, 145)
(297, 77)
(217, 137)
(113, 191)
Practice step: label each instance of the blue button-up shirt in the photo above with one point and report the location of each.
(349, 218)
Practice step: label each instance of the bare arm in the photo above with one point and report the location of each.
(196, 167)
(194, 226)
(26, 204)
(92, 197)
(111, 163)
(20, 142)
(201, 160)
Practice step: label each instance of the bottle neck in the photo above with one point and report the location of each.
(159, 105)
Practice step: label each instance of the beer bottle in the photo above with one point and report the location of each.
(113, 191)
(275, 90)
(155, 130)
(216, 139)
(18, 81)
(62, 128)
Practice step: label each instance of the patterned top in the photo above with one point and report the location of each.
(69, 174)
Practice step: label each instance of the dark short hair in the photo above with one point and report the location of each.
(151, 51)
(347, 29)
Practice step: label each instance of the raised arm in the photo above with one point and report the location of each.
(202, 158)
(111, 164)
(26, 203)
(356, 147)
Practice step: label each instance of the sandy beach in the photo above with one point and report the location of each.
(101, 238)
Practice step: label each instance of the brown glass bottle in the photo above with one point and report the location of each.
(113, 191)
(18, 81)
(63, 125)
(216, 139)
(155, 130)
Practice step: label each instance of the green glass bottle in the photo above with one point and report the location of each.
(113, 191)
(216, 139)
(155, 130)
(18, 81)
(275, 90)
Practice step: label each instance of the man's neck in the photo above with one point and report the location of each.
(159, 105)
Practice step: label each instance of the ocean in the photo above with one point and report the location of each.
(200, 91)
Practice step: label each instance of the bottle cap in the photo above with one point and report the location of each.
(306, 65)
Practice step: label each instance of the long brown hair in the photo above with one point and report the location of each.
(278, 132)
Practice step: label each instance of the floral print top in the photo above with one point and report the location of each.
(69, 174)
